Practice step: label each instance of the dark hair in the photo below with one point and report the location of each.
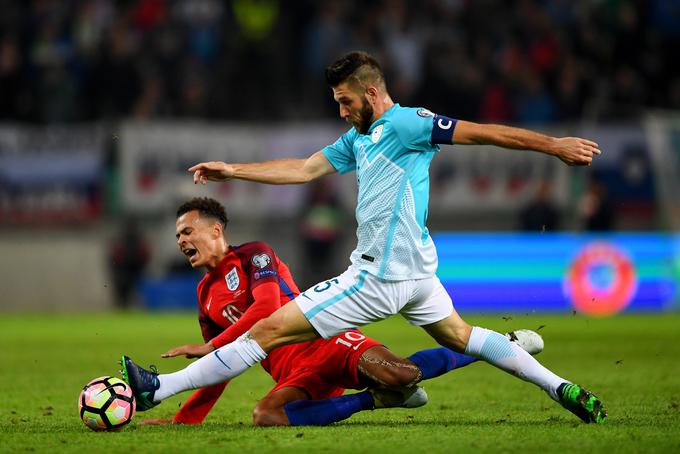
(206, 207)
(360, 66)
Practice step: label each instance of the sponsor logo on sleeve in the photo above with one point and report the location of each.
(263, 273)
(425, 113)
(261, 260)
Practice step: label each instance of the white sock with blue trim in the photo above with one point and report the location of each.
(496, 349)
(218, 366)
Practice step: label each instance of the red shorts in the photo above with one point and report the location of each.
(322, 368)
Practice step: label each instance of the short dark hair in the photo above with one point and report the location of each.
(359, 66)
(206, 207)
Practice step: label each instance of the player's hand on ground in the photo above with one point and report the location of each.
(213, 171)
(156, 422)
(189, 351)
(575, 151)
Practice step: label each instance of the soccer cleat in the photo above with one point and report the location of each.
(530, 341)
(144, 383)
(404, 397)
(582, 403)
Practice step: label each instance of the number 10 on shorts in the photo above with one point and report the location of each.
(347, 339)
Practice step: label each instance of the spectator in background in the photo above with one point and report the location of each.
(404, 47)
(150, 103)
(321, 229)
(535, 105)
(570, 95)
(325, 35)
(115, 79)
(257, 48)
(496, 106)
(10, 80)
(128, 258)
(540, 214)
(84, 60)
(596, 209)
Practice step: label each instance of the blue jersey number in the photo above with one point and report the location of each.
(325, 286)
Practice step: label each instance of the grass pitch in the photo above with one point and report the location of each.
(631, 362)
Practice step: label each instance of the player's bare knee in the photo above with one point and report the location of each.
(459, 337)
(454, 334)
(463, 335)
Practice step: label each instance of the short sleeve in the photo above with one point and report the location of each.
(341, 153)
(421, 130)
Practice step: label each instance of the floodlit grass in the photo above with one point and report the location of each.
(632, 362)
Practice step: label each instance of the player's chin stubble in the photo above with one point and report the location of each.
(365, 118)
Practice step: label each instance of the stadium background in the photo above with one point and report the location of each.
(104, 104)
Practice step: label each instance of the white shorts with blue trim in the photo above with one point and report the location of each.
(357, 298)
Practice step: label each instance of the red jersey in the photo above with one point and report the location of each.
(233, 297)
(236, 286)
(249, 284)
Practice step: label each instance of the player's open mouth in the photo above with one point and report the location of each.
(190, 253)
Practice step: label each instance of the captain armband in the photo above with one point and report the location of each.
(442, 129)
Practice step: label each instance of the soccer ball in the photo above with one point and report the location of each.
(106, 403)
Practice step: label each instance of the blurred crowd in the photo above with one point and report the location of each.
(525, 61)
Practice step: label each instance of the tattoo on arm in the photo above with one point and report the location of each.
(383, 363)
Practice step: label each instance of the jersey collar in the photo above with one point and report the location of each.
(218, 269)
(382, 118)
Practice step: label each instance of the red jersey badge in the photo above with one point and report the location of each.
(232, 279)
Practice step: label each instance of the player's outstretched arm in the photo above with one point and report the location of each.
(282, 171)
(570, 150)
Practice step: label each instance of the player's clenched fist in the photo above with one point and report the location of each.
(213, 171)
(575, 151)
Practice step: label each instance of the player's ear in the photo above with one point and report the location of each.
(217, 230)
(372, 93)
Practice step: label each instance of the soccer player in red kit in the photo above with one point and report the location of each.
(249, 282)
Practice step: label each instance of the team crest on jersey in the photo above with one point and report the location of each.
(232, 279)
(425, 113)
(261, 260)
(377, 133)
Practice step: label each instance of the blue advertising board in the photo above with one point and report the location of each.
(532, 272)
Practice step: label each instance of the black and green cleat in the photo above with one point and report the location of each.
(582, 403)
(143, 383)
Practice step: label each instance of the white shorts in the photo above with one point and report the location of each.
(357, 298)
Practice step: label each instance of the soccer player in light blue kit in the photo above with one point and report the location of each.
(393, 267)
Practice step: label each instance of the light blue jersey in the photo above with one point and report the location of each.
(392, 165)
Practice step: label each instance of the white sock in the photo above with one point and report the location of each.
(496, 349)
(220, 365)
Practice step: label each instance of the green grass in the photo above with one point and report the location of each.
(631, 362)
